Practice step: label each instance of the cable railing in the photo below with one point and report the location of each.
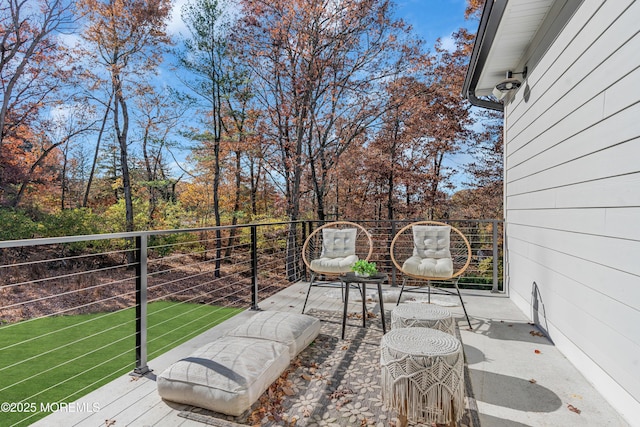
(77, 312)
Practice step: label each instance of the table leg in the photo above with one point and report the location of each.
(346, 303)
(384, 324)
(363, 291)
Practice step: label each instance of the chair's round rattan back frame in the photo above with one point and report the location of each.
(335, 224)
(456, 273)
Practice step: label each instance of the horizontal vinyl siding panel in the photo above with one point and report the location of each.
(618, 191)
(586, 124)
(618, 254)
(604, 222)
(572, 193)
(587, 141)
(624, 93)
(557, 291)
(556, 74)
(578, 313)
(618, 160)
(562, 120)
(614, 285)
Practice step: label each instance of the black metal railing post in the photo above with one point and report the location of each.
(254, 268)
(304, 239)
(141, 306)
(496, 261)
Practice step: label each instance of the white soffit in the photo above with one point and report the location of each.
(518, 26)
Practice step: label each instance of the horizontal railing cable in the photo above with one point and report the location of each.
(193, 279)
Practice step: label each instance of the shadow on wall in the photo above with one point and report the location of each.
(539, 314)
(514, 393)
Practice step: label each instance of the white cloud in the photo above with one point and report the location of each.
(448, 43)
(176, 26)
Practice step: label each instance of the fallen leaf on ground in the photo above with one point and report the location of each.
(306, 377)
(288, 391)
(536, 334)
(537, 351)
(532, 381)
(573, 409)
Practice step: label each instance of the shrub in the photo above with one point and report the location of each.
(16, 225)
(71, 222)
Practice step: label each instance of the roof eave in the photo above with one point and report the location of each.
(491, 16)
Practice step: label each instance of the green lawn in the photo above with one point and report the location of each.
(58, 359)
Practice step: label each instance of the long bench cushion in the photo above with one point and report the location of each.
(226, 376)
(294, 330)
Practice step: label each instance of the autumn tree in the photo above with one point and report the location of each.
(158, 112)
(448, 133)
(215, 79)
(484, 198)
(125, 39)
(321, 66)
(32, 67)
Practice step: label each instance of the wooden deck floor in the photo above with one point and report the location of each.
(513, 384)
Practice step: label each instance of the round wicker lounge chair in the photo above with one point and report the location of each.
(431, 252)
(332, 249)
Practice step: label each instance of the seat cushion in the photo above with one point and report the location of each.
(333, 265)
(429, 267)
(338, 243)
(226, 376)
(431, 241)
(294, 330)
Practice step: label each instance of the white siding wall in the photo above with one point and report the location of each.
(572, 164)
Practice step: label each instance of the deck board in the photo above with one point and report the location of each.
(500, 354)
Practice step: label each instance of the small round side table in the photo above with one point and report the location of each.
(423, 375)
(408, 315)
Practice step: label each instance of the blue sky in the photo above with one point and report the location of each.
(430, 18)
(434, 18)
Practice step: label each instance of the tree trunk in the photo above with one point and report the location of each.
(236, 206)
(95, 155)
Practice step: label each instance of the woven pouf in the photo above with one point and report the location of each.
(423, 375)
(424, 315)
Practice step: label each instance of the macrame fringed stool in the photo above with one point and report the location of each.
(423, 375)
(408, 315)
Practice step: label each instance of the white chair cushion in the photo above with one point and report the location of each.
(296, 331)
(431, 241)
(226, 376)
(338, 243)
(333, 265)
(429, 267)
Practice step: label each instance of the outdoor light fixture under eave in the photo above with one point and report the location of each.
(507, 85)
